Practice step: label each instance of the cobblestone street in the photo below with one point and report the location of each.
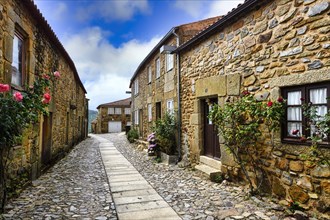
(77, 188)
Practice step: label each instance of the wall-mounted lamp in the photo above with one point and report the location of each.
(167, 49)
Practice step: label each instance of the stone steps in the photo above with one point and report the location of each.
(210, 167)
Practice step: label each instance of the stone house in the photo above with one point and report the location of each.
(113, 116)
(277, 48)
(29, 48)
(154, 84)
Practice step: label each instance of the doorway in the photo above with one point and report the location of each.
(210, 136)
(46, 152)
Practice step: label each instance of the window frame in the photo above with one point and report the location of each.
(111, 110)
(169, 62)
(136, 86)
(19, 34)
(305, 91)
(149, 112)
(136, 117)
(127, 111)
(118, 111)
(157, 68)
(170, 106)
(149, 70)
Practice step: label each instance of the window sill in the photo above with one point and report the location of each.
(295, 141)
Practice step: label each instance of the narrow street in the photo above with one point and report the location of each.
(77, 188)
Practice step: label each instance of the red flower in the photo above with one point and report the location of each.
(46, 98)
(270, 104)
(245, 92)
(45, 76)
(4, 87)
(302, 99)
(295, 132)
(18, 96)
(280, 99)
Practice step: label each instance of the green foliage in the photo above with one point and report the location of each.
(319, 134)
(293, 206)
(241, 123)
(165, 130)
(19, 110)
(132, 135)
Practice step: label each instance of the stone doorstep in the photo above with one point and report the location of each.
(210, 171)
(210, 162)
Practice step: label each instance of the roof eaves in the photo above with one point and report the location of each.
(226, 18)
(37, 15)
(160, 43)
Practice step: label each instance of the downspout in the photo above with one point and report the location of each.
(178, 93)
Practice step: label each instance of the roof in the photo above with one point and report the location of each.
(230, 17)
(119, 103)
(165, 38)
(42, 23)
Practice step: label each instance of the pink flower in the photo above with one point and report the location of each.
(57, 74)
(18, 96)
(46, 98)
(270, 104)
(4, 87)
(280, 99)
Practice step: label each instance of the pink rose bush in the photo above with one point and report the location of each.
(46, 98)
(4, 87)
(18, 96)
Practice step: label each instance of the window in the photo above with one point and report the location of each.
(118, 111)
(136, 117)
(296, 124)
(18, 60)
(170, 106)
(149, 112)
(149, 74)
(158, 110)
(157, 68)
(127, 111)
(111, 111)
(169, 62)
(136, 87)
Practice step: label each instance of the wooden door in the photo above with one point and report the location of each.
(211, 139)
(46, 152)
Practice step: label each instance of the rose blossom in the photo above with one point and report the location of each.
(45, 76)
(57, 74)
(4, 88)
(294, 132)
(18, 96)
(270, 104)
(280, 99)
(46, 98)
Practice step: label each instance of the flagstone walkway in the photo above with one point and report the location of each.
(133, 196)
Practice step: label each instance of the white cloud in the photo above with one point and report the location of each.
(192, 8)
(60, 10)
(104, 69)
(222, 7)
(122, 10)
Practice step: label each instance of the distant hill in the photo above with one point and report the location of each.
(91, 116)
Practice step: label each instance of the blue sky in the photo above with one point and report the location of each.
(107, 39)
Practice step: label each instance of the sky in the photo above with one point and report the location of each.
(108, 39)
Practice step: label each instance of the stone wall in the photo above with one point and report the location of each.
(275, 44)
(104, 118)
(44, 53)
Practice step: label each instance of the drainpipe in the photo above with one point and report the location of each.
(178, 93)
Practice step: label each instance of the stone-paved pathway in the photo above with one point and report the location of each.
(133, 196)
(75, 188)
(191, 194)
